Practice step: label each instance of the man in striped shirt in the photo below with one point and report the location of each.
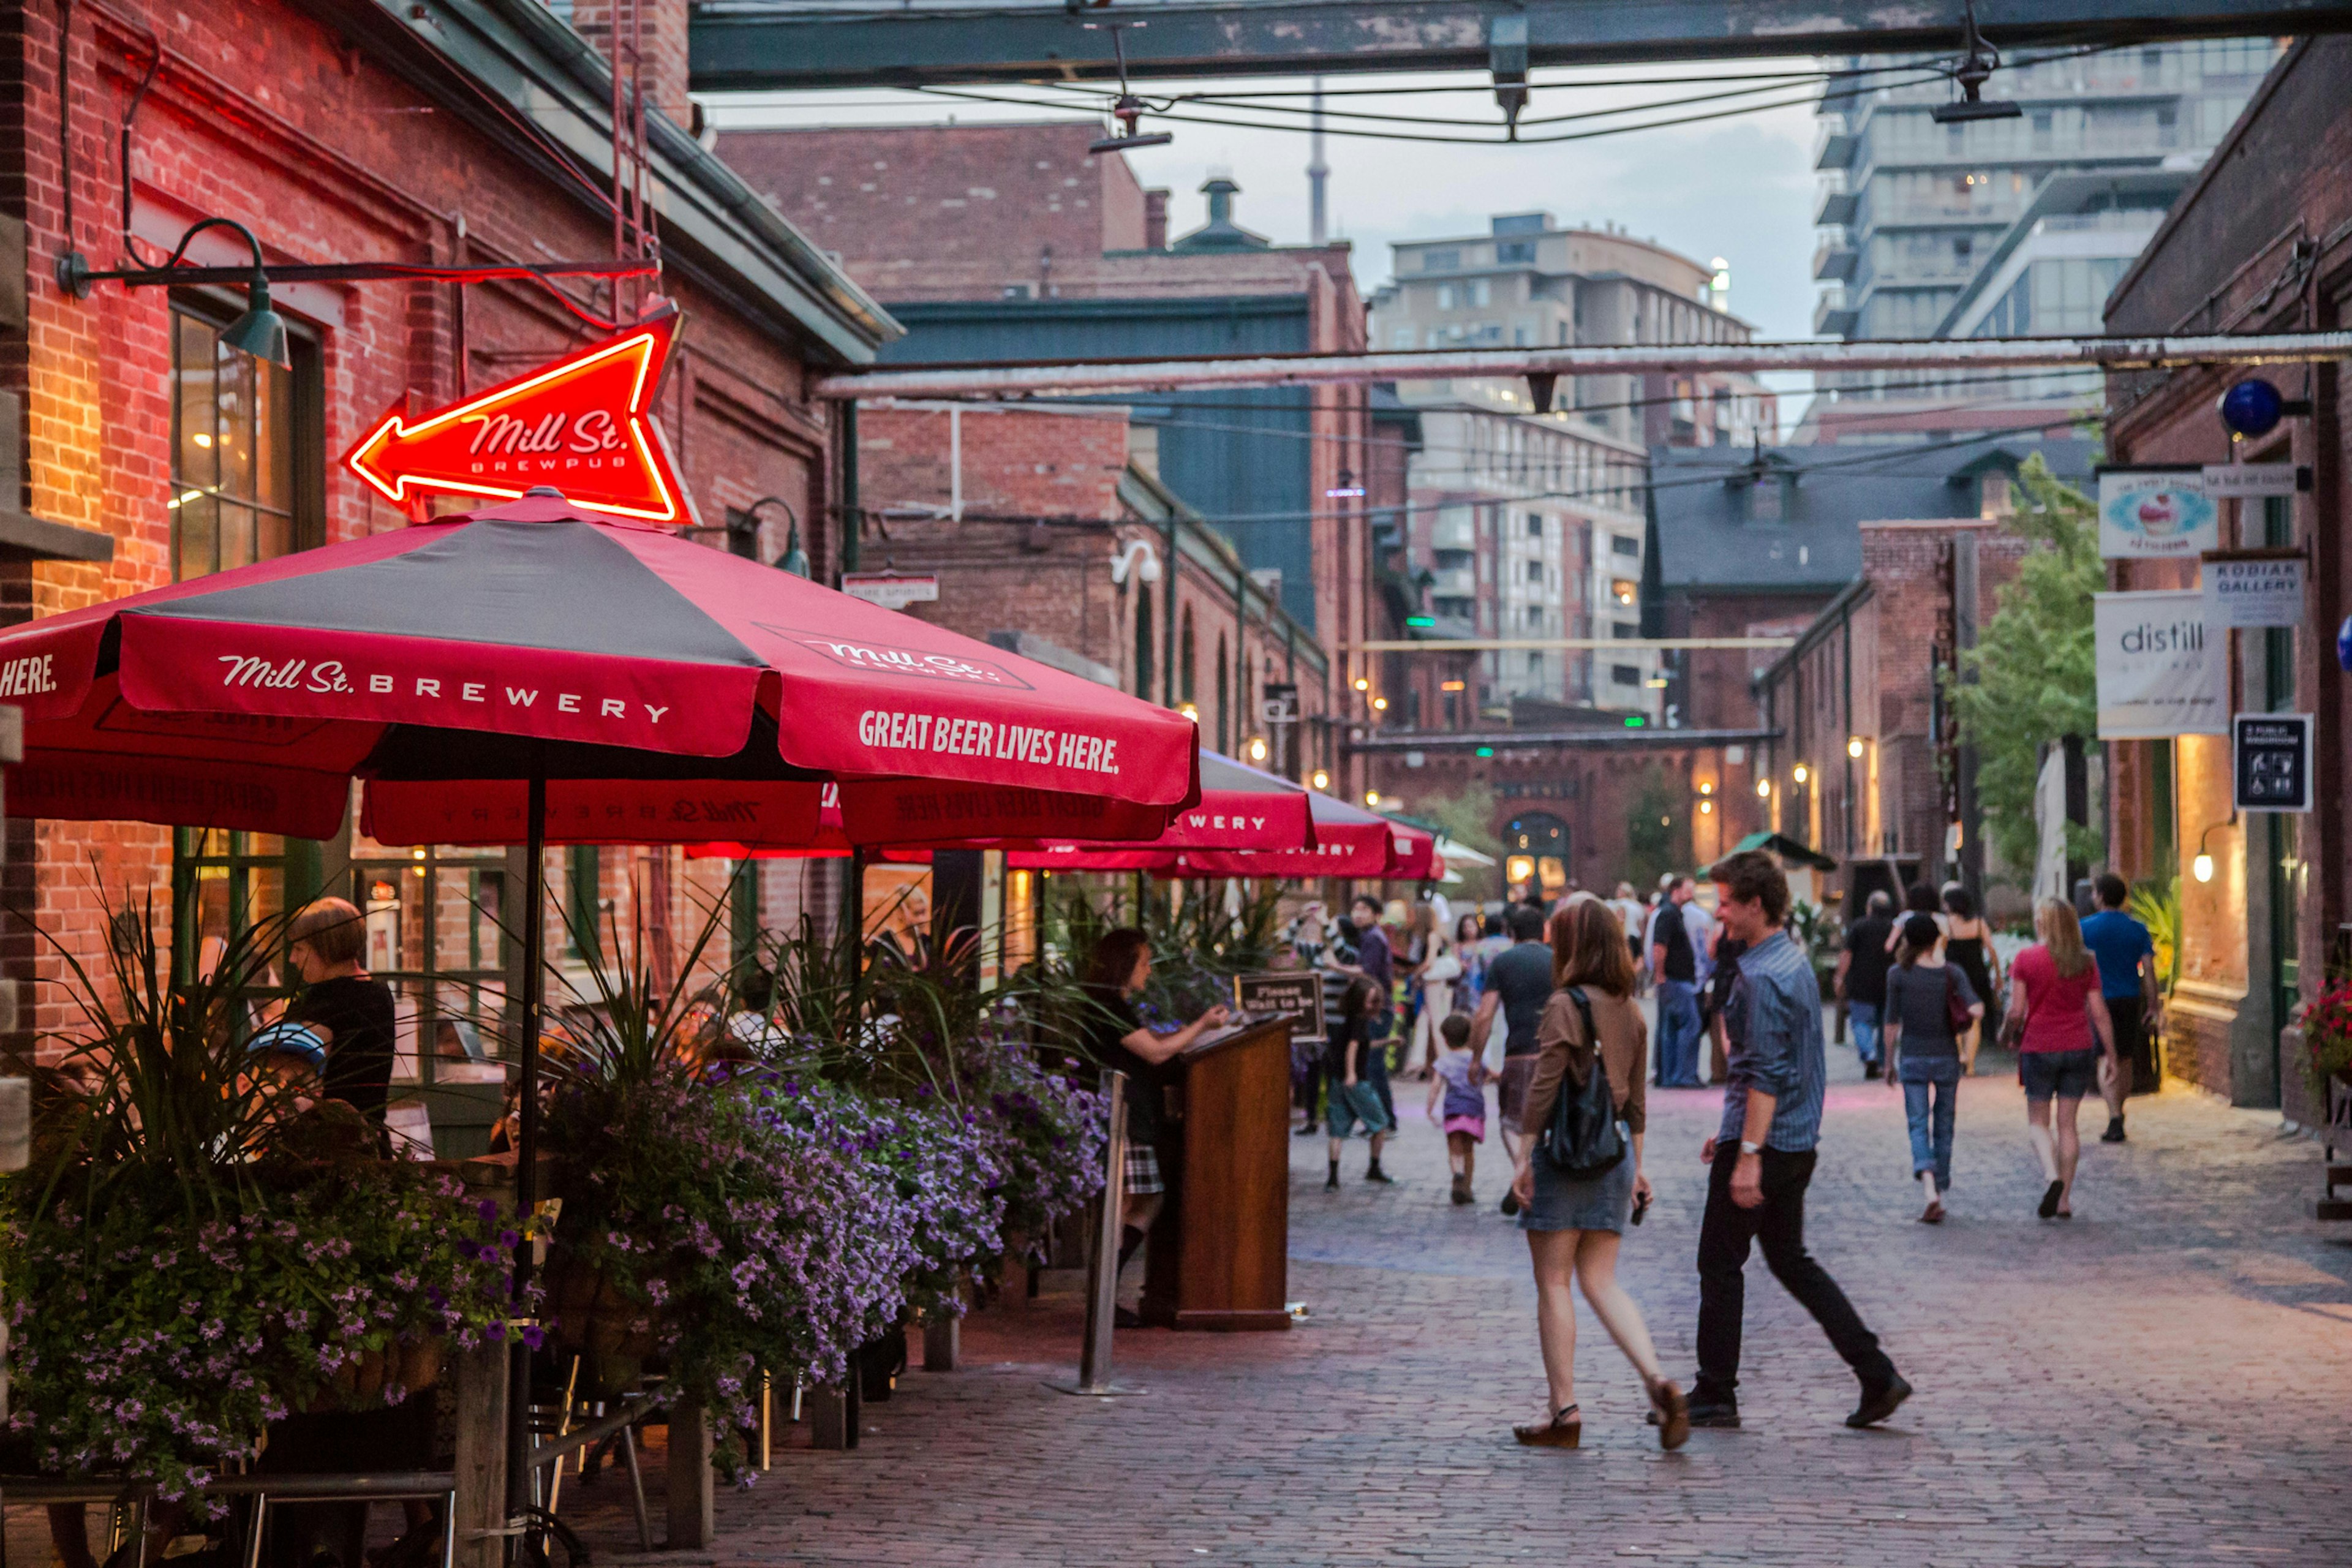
(1772, 1114)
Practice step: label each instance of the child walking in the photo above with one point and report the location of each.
(1351, 1099)
(1457, 1079)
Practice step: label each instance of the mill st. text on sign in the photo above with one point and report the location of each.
(583, 424)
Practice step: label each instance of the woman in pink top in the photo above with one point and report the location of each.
(2058, 1021)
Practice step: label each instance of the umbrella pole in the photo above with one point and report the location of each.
(534, 986)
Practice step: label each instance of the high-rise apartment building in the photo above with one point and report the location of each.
(1527, 526)
(1912, 211)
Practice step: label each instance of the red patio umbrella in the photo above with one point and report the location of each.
(533, 672)
(1348, 842)
(1240, 807)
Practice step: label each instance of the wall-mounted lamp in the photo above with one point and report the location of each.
(1363, 683)
(259, 332)
(1706, 808)
(1137, 559)
(1800, 772)
(1764, 787)
(1853, 747)
(1190, 712)
(2201, 867)
(1706, 786)
(1372, 797)
(1320, 779)
(1257, 748)
(1380, 704)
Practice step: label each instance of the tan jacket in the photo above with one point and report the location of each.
(1563, 1052)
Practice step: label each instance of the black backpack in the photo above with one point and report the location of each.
(1582, 1139)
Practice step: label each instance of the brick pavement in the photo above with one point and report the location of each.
(2165, 1379)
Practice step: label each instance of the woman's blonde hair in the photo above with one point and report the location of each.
(2062, 934)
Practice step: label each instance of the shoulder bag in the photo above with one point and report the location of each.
(1582, 1139)
(1955, 1012)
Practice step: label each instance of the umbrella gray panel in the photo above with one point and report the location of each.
(558, 585)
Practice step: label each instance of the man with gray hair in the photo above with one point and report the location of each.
(1862, 977)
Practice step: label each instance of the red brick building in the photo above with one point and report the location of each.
(339, 132)
(1854, 703)
(1012, 242)
(2261, 242)
(1052, 539)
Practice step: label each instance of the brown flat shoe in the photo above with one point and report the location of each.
(1559, 1433)
(1934, 1213)
(1674, 1415)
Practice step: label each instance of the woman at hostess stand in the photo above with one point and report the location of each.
(1119, 1039)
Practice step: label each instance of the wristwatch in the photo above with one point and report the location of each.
(1748, 1148)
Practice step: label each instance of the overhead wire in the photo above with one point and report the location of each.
(1919, 74)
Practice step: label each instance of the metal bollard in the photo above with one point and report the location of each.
(1102, 1271)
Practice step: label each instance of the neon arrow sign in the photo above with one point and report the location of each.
(580, 425)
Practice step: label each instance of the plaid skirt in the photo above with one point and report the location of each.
(1143, 1171)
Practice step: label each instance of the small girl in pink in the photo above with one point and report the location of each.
(1456, 1076)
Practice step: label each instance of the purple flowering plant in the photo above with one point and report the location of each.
(197, 1249)
(738, 1238)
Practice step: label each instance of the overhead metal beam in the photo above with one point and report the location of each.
(1595, 739)
(1571, 644)
(1096, 377)
(750, 44)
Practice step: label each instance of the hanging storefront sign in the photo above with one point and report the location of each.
(890, 589)
(583, 424)
(2253, 588)
(2156, 513)
(2160, 672)
(2241, 481)
(2271, 762)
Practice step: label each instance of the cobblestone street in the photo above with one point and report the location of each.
(2163, 1380)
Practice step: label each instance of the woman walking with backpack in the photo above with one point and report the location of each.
(1929, 1006)
(1592, 1047)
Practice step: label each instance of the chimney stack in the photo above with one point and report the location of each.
(1155, 220)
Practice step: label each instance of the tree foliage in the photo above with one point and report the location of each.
(2031, 677)
(1657, 836)
(1467, 816)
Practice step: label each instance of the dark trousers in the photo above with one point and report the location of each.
(2134, 1047)
(1723, 1238)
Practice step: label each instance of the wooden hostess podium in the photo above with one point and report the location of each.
(1219, 1248)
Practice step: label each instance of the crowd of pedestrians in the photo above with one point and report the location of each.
(1540, 1005)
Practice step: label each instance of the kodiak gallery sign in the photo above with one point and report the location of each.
(2161, 670)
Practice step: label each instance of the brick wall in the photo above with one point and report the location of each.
(262, 114)
(1017, 462)
(941, 212)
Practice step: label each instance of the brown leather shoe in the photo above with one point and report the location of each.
(1674, 1415)
(1560, 1433)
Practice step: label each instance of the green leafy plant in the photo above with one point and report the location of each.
(198, 1248)
(2032, 680)
(2156, 905)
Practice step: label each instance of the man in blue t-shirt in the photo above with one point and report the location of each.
(2127, 980)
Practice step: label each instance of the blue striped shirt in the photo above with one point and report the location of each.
(1775, 1044)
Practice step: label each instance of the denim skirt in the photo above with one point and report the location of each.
(1563, 1202)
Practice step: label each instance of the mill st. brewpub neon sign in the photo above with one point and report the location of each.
(580, 425)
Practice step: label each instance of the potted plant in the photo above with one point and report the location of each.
(202, 1246)
(2327, 1025)
(707, 1221)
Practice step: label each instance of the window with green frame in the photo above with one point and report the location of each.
(436, 921)
(583, 905)
(224, 883)
(248, 485)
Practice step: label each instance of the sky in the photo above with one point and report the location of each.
(1741, 188)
